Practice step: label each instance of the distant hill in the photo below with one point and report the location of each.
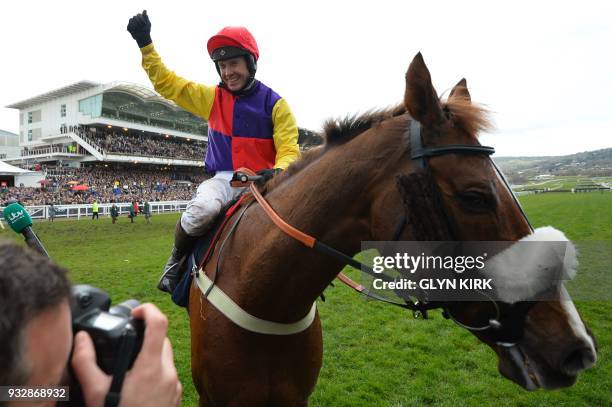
(596, 163)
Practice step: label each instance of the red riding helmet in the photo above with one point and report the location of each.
(238, 37)
(232, 42)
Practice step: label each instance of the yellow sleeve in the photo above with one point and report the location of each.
(285, 135)
(193, 97)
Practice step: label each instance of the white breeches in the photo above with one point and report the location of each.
(212, 195)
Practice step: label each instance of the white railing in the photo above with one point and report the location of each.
(41, 212)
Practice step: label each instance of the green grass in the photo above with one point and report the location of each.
(585, 216)
(375, 355)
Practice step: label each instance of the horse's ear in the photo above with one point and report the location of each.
(460, 91)
(420, 97)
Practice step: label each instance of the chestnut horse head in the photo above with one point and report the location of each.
(358, 187)
(546, 343)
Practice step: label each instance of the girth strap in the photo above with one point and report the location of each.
(222, 302)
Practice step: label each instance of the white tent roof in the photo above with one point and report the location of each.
(7, 169)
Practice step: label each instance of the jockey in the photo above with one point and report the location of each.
(249, 125)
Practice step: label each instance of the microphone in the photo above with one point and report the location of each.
(20, 221)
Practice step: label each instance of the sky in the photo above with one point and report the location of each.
(544, 69)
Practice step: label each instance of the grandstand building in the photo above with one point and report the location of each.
(115, 123)
(9, 145)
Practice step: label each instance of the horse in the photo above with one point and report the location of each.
(358, 187)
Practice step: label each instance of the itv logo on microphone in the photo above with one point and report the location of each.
(15, 216)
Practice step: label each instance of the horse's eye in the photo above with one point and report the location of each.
(476, 201)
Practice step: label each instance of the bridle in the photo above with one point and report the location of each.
(505, 326)
(420, 154)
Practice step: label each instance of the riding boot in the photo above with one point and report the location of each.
(175, 266)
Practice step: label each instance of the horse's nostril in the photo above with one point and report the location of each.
(577, 360)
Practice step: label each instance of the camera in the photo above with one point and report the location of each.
(117, 336)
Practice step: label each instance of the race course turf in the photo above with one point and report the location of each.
(375, 355)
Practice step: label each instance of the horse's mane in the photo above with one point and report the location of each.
(472, 118)
(339, 131)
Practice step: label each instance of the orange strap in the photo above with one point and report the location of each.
(307, 240)
(302, 237)
(349, 282)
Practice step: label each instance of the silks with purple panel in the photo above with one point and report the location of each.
(240, 130)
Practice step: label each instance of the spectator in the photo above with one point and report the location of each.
(51, 212)
(94, 210)
(132, 214)
(147, 211)
(114, 212)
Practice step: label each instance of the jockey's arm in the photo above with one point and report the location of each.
(285, 135)
(191, 96)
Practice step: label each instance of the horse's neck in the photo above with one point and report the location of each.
(281, 271)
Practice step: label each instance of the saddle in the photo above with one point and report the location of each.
(203, 250)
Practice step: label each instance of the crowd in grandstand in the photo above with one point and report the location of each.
(133, 142)
(107, 185)
(118, 182)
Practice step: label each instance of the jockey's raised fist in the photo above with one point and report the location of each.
(140, 28)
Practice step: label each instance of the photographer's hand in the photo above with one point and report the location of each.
(152, 381)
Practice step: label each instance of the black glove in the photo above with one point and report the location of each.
(140, 28)
(267, 174)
